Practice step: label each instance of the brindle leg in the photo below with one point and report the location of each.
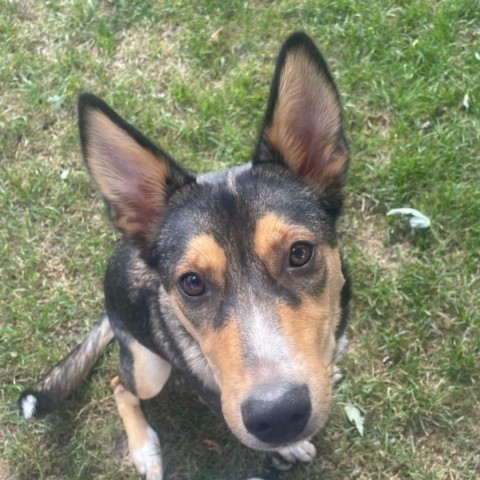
(147, 377)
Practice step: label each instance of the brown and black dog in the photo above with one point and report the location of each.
(233, 277)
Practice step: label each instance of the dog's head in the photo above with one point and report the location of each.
(248, 257)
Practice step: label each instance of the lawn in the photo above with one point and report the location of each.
(194, 77)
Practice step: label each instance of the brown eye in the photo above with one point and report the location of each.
(300, 254)
(191, 285)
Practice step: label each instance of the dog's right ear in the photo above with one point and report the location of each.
(134, 176)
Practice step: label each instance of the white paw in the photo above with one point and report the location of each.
(342, 347)
(337, 376)
(28, 407)
(304, 451)
(147, 457)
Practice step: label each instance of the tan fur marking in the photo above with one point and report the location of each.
(129, 176)
(150, 371)
(273, 235)
(205, 257)
(131, 414)
(310, 328)
(310, 331)
(306, 121)
(224, 350)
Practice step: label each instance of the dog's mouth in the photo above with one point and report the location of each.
(276, 440)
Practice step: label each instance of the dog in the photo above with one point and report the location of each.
(233, 277)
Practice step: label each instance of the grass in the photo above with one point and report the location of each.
(409, 75)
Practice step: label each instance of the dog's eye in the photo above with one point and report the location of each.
(192, 285)
(300, 254)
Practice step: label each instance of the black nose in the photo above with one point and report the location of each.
(275, 414)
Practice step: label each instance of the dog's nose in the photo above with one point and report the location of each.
(276, 414)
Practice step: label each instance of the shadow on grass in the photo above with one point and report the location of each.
(196, 443)
(76, 440)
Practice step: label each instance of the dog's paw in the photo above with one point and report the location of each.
(286, 457)
(147, 457)
(337, 377)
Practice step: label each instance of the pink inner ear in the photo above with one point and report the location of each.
(306, 126)
(302, 129)
(311, 158)
(140, 209)
(140, 186)
(127, 179)
(131, 177)
(314, 133)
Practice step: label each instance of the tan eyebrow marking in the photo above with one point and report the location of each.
(272, 233)
(204, 255)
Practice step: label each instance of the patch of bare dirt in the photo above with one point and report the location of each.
(154, 58)
(5, 471)
(369, 235)
(442, 459)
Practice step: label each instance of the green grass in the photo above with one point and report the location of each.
(409, 75)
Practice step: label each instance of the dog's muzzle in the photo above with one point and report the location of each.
(277, 414)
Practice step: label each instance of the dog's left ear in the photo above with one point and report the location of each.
(303, 123)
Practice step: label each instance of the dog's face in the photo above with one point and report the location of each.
(247, 258)
(250, 267)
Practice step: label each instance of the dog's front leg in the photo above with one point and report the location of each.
(143, 442)
(286, 457)
(146, 375)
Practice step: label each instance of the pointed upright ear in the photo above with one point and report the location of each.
(134, 176)
(303, 123)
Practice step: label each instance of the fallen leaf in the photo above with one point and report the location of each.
(355, 417)
(215, 36)
(425, 126)
(56, 101)
(415, 218)
(212, 445)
